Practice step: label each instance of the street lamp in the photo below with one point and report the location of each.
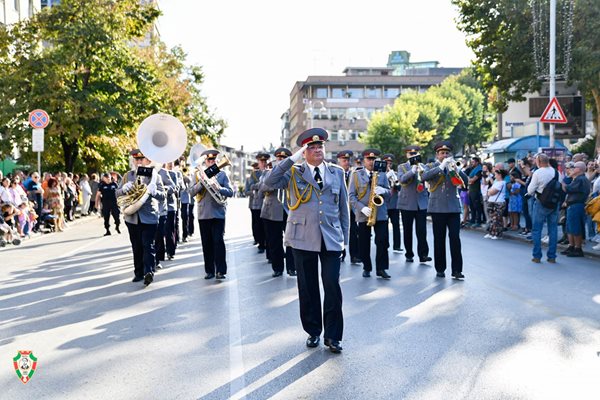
(309, 108)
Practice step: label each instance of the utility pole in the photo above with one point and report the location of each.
(552, 60)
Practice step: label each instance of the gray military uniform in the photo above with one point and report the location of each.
(149, 211)
(443, 197)
(325, 216)
(209, 208)
(409, 198)
(251, 189)
(361, 177)
(272, 209)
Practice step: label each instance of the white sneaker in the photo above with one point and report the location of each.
(545, 239)
(487, 236)
(494, 237)
(596, 247)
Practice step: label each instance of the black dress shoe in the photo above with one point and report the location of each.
(184, 240)
(209, 276)
(312, 341)
(381, 273)
(409, 259)
(260, 251)
(276, 274)
(458, 276)
(148, 278)
(137, 279)
(158, 266)
(355, 260)
(107, 233)
(220, 275)
(269, 261)
(366, 274)
(440, 275)
(170, 256)
(292, 272)
(117, 229)
(334, 345)
(425, 259)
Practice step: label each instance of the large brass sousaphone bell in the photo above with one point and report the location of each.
(161, 138)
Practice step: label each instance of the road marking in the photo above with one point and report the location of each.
(237, 382)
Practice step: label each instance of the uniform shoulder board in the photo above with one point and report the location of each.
(331, 165)
(359, 168)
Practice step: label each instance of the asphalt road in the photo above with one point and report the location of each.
(511, 330)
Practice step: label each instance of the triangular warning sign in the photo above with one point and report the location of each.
(553, 114)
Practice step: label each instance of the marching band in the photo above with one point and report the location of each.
(303, 213)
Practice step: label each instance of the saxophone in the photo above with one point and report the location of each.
(375, 201)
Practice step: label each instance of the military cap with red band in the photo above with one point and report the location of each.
(345, 154)
(443, 145)
(313, 135)
(136, 153)
(388, 157)
(371, 153)
(263, 156)
(282, 152)
(210, 154)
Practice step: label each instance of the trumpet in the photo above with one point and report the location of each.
(454, 173)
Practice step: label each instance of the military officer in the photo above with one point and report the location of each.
(211, 218)
(444, 208)
(392, 205)
(343, 160)
(274, 217)
(142, 224)
(412, 202)
(317, 229)
(360, 193)
(255, 200)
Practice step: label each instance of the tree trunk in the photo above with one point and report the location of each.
(70, 153)
(596, 95)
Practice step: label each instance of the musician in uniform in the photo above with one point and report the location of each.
(187, 207)
(106, 200)
(274, 216)
(255, 201)
(211, 218)
(360, 195)
(343, 160)
(392, 205)
(412, 202)
(444, 207)
(172, 183)
(317, 229)
(143, 223)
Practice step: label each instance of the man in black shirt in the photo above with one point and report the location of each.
(106, 193)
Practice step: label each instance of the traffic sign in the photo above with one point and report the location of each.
(37, 140)
(39, 119)
(553, 114)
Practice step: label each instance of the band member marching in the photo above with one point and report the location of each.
(255, 201)
(142, 224)
(392, 204)
(444, 207)
(363, 192)
(343, 160)
(274, 217)
(317, 229)
(412, 202)
(211, 218)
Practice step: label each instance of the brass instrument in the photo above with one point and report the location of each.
(454, 173)
(420, 184)
(206, 177)
(161, 138)
(375, 201)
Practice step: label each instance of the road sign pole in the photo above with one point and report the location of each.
(552, 61)
(39, 164)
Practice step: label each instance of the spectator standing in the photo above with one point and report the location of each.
(475, 199)
(86, 194)
(4, 193)
(94, 186)
(496, 205)
(35, 194)
(540, 215)
(487, 179)
(527, 171)
(577, 193)
(55, 200)
(515, 201)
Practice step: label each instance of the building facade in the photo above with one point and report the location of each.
(343, 105)
(13, 11)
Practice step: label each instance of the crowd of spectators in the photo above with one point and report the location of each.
(496, 197)
(32, 204)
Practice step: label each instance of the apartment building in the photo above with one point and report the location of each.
(12, 11)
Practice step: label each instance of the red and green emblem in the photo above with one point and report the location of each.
(25, 364)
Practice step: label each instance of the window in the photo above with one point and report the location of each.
(337, 93)
(334, 136)
(391, 93)
(355, 93)
(373, 93)
(321, 93)
(353, 135)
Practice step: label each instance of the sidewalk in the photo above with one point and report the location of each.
(587, 248)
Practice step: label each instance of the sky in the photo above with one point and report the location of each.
(253, 52)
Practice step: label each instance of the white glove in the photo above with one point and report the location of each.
(379, 190)
(151, 188)
(444, 163)
(366, 211)
(414, 168)
(127, 187)
(298, 155)
(390, 175)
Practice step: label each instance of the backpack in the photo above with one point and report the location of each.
(550, 196)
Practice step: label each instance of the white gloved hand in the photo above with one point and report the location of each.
(414, 168)
(379, 190)
(297, 156)
(366, 211)
(444, 163)
(390, 174)
(127, 187)
(151, 188)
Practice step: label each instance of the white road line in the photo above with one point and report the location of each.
(237, 382)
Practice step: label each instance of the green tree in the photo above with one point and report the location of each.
(500, 34)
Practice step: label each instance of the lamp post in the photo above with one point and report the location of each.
(309, 108)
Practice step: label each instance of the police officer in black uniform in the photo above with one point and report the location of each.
(106, 196)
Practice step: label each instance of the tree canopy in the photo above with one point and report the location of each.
(455, 110)
(82, 62)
